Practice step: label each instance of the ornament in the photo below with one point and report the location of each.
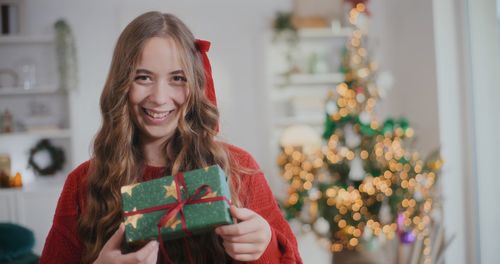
(400, 220)
(322, 226)
(385, 213)
(356, 171)
(360, 98)
(314, 194)
(372, 244)
(407, 237)
(352, 139)
(364, 118)
(331, 107)
(16, 181)
(418, 196)
(367, 234)
(388, 126)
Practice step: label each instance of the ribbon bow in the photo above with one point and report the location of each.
(203, 46)
(177, 207)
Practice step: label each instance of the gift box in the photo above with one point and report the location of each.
(172, 207)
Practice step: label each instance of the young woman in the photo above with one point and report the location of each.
(159, 117)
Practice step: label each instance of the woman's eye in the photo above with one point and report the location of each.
(143, 78)
(179, 79)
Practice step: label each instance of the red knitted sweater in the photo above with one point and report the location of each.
(63, 245)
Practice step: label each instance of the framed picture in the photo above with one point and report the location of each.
(11, 14)
(317, 13)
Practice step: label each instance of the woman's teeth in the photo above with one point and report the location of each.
(157, 115)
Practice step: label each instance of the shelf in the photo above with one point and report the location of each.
(284, 94)
(55, 133)
(40, 184)
(309, 79)
(42, 89)
(45, 183)
(26, 39)
(316, 120)
(324, 33)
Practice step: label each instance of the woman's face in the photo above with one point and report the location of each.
(158, 90)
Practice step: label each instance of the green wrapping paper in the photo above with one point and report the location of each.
(200, 218)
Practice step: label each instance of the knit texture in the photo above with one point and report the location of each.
(63, 245)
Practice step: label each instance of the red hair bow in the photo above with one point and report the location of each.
(203, 46)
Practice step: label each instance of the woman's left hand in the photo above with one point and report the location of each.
(248, 239)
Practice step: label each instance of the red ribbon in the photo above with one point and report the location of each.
(172, 209)
(203, 46)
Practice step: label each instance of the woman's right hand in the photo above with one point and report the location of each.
(111, 252)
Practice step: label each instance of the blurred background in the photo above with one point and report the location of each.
(375, 122)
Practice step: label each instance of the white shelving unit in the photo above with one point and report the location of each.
(298, 98)
(37, 90)
(312, 120)
(39, 112)
(47, 133)
(324, 33)
(26, 39)
(308, 79)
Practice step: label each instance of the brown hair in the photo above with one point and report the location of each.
(117, 156)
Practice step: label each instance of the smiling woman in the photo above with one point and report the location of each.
(160, 118)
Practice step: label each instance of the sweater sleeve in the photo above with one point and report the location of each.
(283, 246)
(62, 244)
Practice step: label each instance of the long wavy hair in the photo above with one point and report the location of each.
(117, 158)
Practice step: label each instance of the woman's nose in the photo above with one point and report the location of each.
(161, 93)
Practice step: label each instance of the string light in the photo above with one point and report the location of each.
(392, 173)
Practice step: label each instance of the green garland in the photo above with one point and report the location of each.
(66, 55)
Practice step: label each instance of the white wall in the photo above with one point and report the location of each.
(482, 30)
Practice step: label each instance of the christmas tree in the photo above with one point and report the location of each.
(365, 184)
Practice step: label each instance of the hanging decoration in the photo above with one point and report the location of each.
(66, 55)
(46, 159)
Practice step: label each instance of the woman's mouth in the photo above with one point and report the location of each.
(157, 116)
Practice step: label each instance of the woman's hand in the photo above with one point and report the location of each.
(111, 252)
(248, 239)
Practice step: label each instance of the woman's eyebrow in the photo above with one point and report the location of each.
(177, 72)
(144, 71)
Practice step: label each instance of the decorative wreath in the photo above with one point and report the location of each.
(45, 158)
